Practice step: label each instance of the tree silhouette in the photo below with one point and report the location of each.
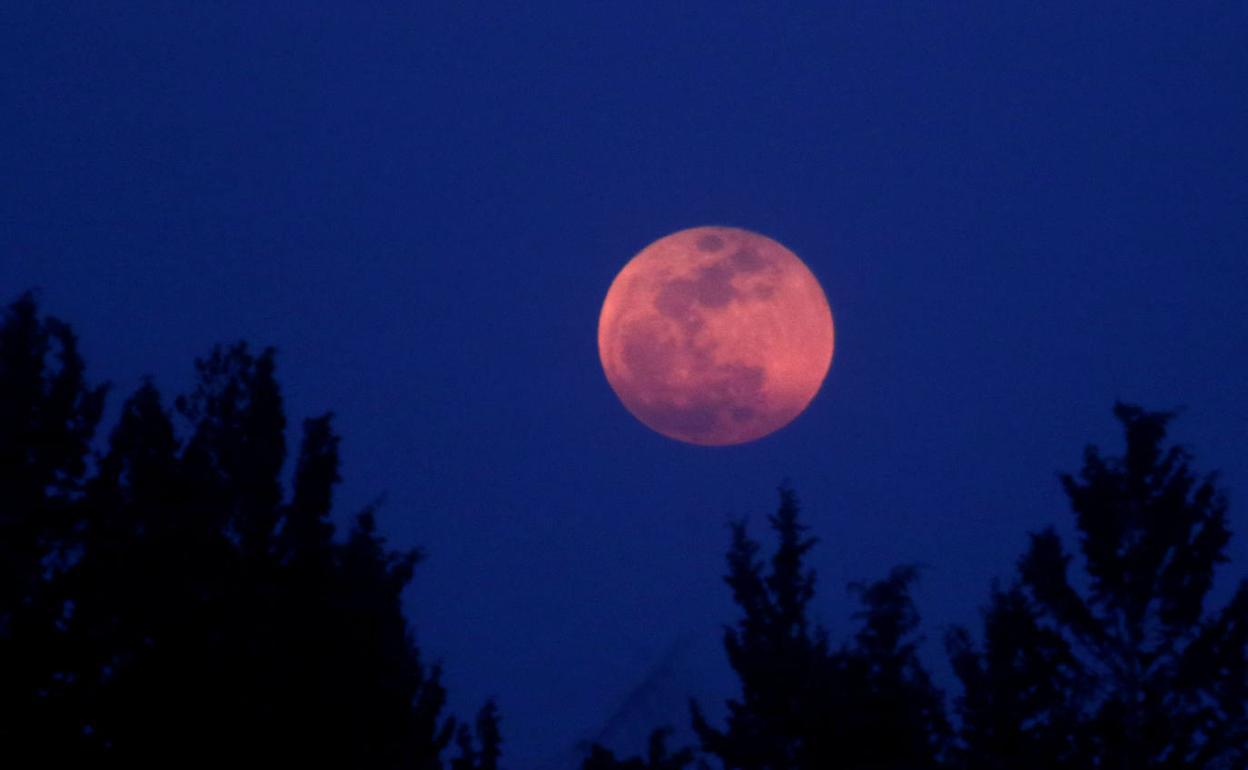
(48, 416)
(484, 752)
(804, 706)
(1123, 668)
(780, 660)
(890, 715)
(1021, 694)
(166, 601)
(657, 756)
(171, 606)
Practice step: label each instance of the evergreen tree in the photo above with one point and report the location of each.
(176, 607)
(888, 713)
(48, 416)
(1123, 668)
(1021, 695)
(780, 660)
(657, 756)
(139, 585)
(482, 753)
(804, 706)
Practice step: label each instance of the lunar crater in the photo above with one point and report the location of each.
(714, 286)
(710, 243)
(748, 260)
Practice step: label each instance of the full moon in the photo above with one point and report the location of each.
(715, 336)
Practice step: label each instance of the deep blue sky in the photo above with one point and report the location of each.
(1019, 213)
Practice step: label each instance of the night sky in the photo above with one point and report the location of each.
(1019, 214)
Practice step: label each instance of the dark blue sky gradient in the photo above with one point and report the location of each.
(1019, 213)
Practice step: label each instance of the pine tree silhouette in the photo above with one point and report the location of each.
(48, 415)
(657, 756)
(804, 706)
(1022, 694)
(889, 714)
(164, 601)
(1130, 672)
(780, 661)
(174, 607)
(482, 753)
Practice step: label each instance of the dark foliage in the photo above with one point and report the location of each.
(657, 756)
(1124, 667)
(804, 706)
(484, 752)
(165, 604)
(48, 416)
(891, 715)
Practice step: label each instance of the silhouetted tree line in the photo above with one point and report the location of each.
(1120, 668)
(164, 602)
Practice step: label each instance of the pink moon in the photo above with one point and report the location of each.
(715, 336)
